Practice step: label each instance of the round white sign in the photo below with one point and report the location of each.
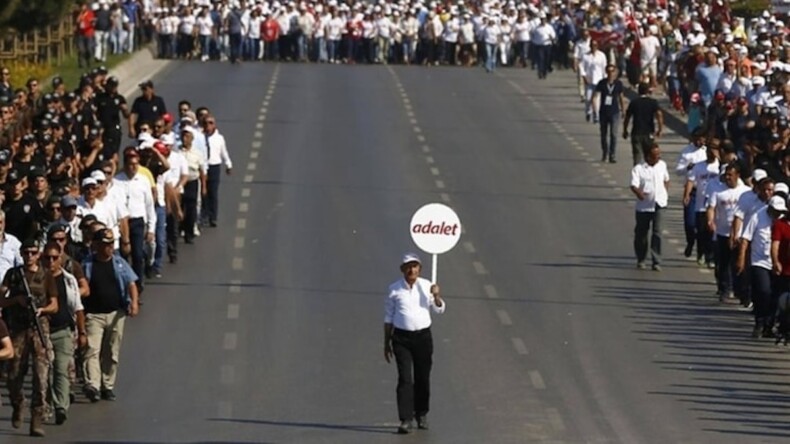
(435, 228)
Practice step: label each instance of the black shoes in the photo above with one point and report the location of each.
(60, 416)
(404, 428)
(612, 160)
(422, 422)
(107, 395)
(689, 249)
(92, 394)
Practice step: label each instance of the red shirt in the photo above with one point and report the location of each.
(780, 231)
(85, 22)
(270, 30)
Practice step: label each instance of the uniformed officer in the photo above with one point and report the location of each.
(145, 109)
(110, 105)
(24, 337)
(407, 335)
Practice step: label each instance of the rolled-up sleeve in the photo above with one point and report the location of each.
(436, 309)
(389, 308)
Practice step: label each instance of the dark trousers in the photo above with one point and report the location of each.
(211, 199)
(645, 220)
(189, 206)
(726, 279)
(172, 236)
(543, 54)
(704, 237)
(609, 124)
(690, 219)
(137, 238)
(235, 46)
(762, 291)
(413, 355)
(639, 144)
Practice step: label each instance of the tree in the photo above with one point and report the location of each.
(27, 15)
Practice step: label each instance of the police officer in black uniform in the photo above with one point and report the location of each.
(23, 212)
(110, 105)
(145, 109)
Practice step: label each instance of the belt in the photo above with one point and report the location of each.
(57, 329)
(401, 331)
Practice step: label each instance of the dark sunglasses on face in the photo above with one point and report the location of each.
(50, 257)
(29, 252)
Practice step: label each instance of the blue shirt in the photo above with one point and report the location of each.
(708, 77)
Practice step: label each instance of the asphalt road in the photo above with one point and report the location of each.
(269, 328)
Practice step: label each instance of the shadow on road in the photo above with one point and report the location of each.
(388, 430)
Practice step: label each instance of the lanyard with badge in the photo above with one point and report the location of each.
(609, 97)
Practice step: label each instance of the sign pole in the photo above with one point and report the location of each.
(433, 268)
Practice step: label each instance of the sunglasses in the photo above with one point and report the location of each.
(29, 252)
(55, 208)
(58, 239)
(50, 257)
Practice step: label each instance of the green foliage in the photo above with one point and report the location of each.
(27, 15)
(749, 8)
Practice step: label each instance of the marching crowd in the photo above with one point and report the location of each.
(86, 221)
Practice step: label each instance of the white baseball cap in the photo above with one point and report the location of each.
(759, 174)
(778, 203)
(781, 187)
(98, 176)
(410, 257)
(89, 181)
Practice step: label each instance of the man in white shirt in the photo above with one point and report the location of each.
(649, 183)
(582, 47)
(757, 235)
(142, 214)
(543, 37)
(217, 154)
(694, 153)
(407, 336)
(697, 186)
(592, 70)
(721, 212)
(9, 248)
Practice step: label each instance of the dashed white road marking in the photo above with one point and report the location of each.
(258, 134)
(235, 286)
(674, 241)
(230, 341)
(262, 117)
(421, 138)
(417, 129)
(595, 164)
(253, 154)
(439, 184)
(224, 410)
(537, 380)
(612, 182)
(247, 178)
(251, 166)
(479, 267)
(227, 374)
(244, 207)
(241, 223)
(245, 192)
(238, 242)
(259, 125)
(491, 292)
(256, 144)
(704, 270)
(445, 197)
(233, 311)
(238, 263)
(435, 171)
(429, 159)
(519, 345)
(504, 318)
(426, 149)
(553, 415)
(469, 247)
(265, 103)
(413, 122)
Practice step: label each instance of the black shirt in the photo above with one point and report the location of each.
(62, 318)
(643, 111)
(148, 110)
(108, 109)
(105, 295)
(606, 90)
(22, 216)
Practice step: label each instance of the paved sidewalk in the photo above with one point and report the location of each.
(140, 67)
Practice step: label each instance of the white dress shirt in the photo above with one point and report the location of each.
(593, 67)
(758, 232)
(140, 198)
(701, 175)
(651, 180)
(690, 155)
(9, 253)
(217, 150)
(408, 308)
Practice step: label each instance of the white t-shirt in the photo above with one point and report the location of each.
(651, 180)
(543, 35)
(725, 203)
(334, 28)
(748, 204)
(522, 31)
(690, 155)
(648, 49)
(758, 232)
(187, 24)
(205, 25)
(491, 34)
(701, 175)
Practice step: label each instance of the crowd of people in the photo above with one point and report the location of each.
(86, 221)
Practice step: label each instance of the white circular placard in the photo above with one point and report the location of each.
(435, 228)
